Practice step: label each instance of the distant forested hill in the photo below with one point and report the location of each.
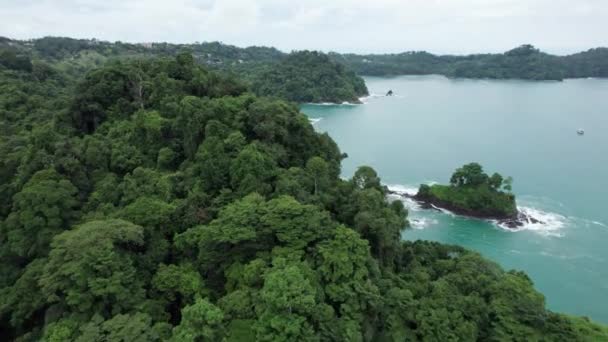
(256, 63)
(524, 62)
(308, 76)
(303, 76)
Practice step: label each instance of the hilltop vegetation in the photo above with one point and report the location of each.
(157, 200)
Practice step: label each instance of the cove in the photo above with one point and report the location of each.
(523, 129)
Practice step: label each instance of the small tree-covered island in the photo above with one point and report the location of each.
(474, 193)
(157, 200)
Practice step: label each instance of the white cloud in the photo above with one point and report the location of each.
(343, 25)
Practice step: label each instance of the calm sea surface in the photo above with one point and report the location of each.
(522, 129)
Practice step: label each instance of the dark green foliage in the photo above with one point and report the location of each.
(44, 207)
(473, 192)
(154, 200)
(307, 76)
(90, 269)
(591, 63)
(11, 59)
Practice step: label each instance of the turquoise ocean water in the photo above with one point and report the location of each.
(522, 129)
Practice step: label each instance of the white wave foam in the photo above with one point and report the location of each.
(366, 99)
(445, 211)
(330, 104)
(422, 222)
(314, 120)
(400, 191)
(345, 103)
(403, 189)
(549, 223)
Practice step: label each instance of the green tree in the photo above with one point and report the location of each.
(201, 321)
(319, 171)
(287, 298)
(365, 178)
(91, 270)
(496, 181)
(469, 175)
(252, 170)
(45, 206)
(122, 327)
(507, 184)
(179, 280)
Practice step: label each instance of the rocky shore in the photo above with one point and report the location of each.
(512, 222)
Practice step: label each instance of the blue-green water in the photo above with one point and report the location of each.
(526, 130)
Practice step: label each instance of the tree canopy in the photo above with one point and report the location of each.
(155, 199)
(309, 76)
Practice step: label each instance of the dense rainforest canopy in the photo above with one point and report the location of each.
(154, 199)
(307, 76)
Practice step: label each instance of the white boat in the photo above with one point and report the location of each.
(580, 131)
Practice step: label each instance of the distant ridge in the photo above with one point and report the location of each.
(523, 62)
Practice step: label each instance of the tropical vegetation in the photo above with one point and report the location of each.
(154, 199)
(473, 192)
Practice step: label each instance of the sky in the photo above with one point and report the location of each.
(360, 26)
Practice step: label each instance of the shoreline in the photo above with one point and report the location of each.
(512, 222)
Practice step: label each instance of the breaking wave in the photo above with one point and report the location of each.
(398, 194)
(372, 96)
(549, 224)
(314, 120)
(421, 222)
(329, 104)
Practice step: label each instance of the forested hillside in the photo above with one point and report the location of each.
(309, 76)
(154, 199)
(524, 62)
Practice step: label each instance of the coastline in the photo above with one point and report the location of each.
(512, 222)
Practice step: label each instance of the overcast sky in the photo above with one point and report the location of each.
(440, 26)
